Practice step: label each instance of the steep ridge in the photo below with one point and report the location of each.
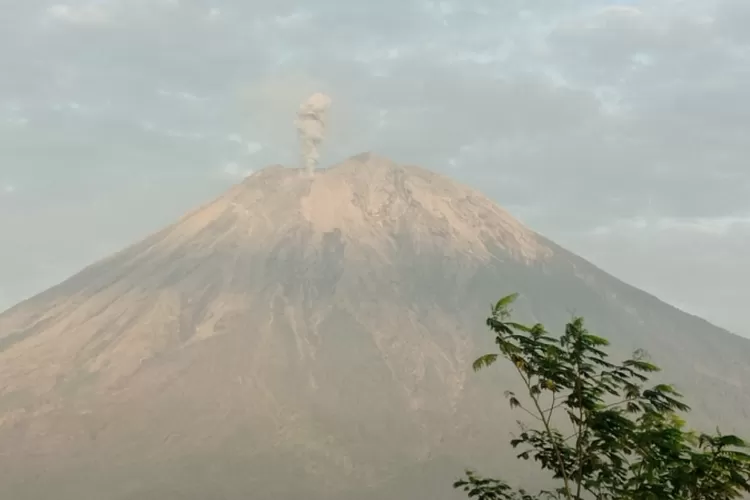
(310, 335)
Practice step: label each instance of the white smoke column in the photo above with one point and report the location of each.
(311, 125)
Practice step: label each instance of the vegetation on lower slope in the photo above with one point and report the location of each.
(600, 430)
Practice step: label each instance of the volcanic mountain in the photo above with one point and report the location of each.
(312, 337)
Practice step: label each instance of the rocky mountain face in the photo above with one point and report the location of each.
(312, 336)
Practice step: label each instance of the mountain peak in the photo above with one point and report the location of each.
(370, 200)
(371, 158)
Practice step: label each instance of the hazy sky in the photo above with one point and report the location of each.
(620, 129)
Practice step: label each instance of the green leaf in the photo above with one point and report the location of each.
(627, 442)
(507, 300)
(503, 303)
(484, 362)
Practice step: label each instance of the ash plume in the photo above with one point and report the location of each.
(311, 126)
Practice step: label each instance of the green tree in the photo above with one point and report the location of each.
(600, 430)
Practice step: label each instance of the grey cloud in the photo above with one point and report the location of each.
(452, 107)
(733, 17)
(574, 115)
(552, 138)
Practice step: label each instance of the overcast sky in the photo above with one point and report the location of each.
(619, 129)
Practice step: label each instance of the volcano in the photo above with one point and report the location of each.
(312, 336)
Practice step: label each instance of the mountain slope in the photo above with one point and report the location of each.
(310, 335)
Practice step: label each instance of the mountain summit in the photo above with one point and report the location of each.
(310, 335)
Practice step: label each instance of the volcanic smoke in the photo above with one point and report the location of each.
(311, 126)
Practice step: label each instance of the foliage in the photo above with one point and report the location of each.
(621, 439)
